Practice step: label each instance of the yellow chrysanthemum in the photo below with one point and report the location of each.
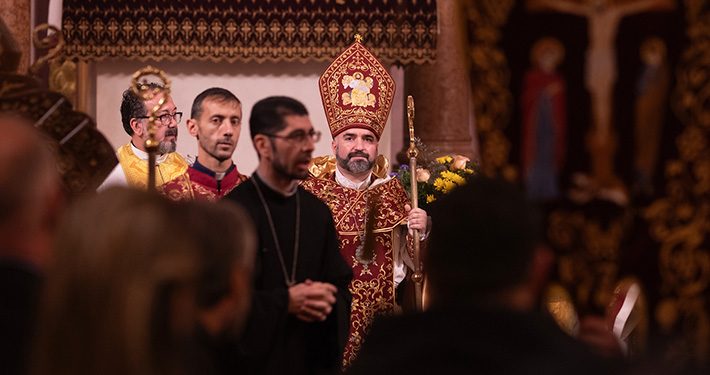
(440, 184)
(444, 159)
(444, 185)
(450, 186)
(453, 177)
(430, 198)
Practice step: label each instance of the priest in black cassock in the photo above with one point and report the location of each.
(301, 305)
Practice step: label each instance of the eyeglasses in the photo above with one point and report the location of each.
(165, 119)
(299, 136)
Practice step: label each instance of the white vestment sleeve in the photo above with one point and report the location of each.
(116, 178)
(402, 260)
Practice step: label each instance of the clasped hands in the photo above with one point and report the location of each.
(311, 301)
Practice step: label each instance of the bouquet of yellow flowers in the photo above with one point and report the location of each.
(438, 176)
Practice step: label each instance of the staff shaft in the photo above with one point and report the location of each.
(418, 276)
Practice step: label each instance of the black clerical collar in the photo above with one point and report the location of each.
(201, 168)
(271, 188)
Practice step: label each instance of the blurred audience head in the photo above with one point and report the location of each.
(131, 269)
(121, 290)
(30, 192)
(227, 246)
(483, 248)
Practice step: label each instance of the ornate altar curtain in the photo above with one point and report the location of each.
(398, 31)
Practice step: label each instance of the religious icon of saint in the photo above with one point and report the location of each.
(650, 110)
(544, 119)
(600, 74)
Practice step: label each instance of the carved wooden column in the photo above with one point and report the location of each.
(444, 119)
(16, 14)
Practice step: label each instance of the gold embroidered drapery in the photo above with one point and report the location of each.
(402, 31)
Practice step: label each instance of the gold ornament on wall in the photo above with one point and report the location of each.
(63, 77)
(62, 72)
(490, 77)
(679, 221)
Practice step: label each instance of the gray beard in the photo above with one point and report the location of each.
(355, 166)
(167, 147)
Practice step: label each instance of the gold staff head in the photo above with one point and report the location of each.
(140, 86)
(412, 151)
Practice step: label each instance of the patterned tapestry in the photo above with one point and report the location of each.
(248, 30)
(599, 110)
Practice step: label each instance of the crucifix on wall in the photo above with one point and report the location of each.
(600, 71)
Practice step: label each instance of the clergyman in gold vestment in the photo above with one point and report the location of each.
(132, 169)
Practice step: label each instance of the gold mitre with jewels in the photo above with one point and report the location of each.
(357, 91)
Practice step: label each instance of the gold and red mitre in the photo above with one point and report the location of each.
(357, 91)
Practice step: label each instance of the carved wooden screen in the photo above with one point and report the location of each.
(654, 227)
(248, 30)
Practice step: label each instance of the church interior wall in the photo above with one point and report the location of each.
(250, 82)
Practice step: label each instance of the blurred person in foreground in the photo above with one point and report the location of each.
(31, 198)
(301, 305)
(122, 295)
(227, 240)
(485, 271)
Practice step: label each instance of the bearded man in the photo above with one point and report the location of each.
(299, 318)
(372, 216)
(132, 169)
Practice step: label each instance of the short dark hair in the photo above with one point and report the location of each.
(267, 115)
(226, 237)
(214, 93)
(133, 106)
(481, 242)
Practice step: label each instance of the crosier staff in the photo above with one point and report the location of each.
(143, 91)
(412, 152)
